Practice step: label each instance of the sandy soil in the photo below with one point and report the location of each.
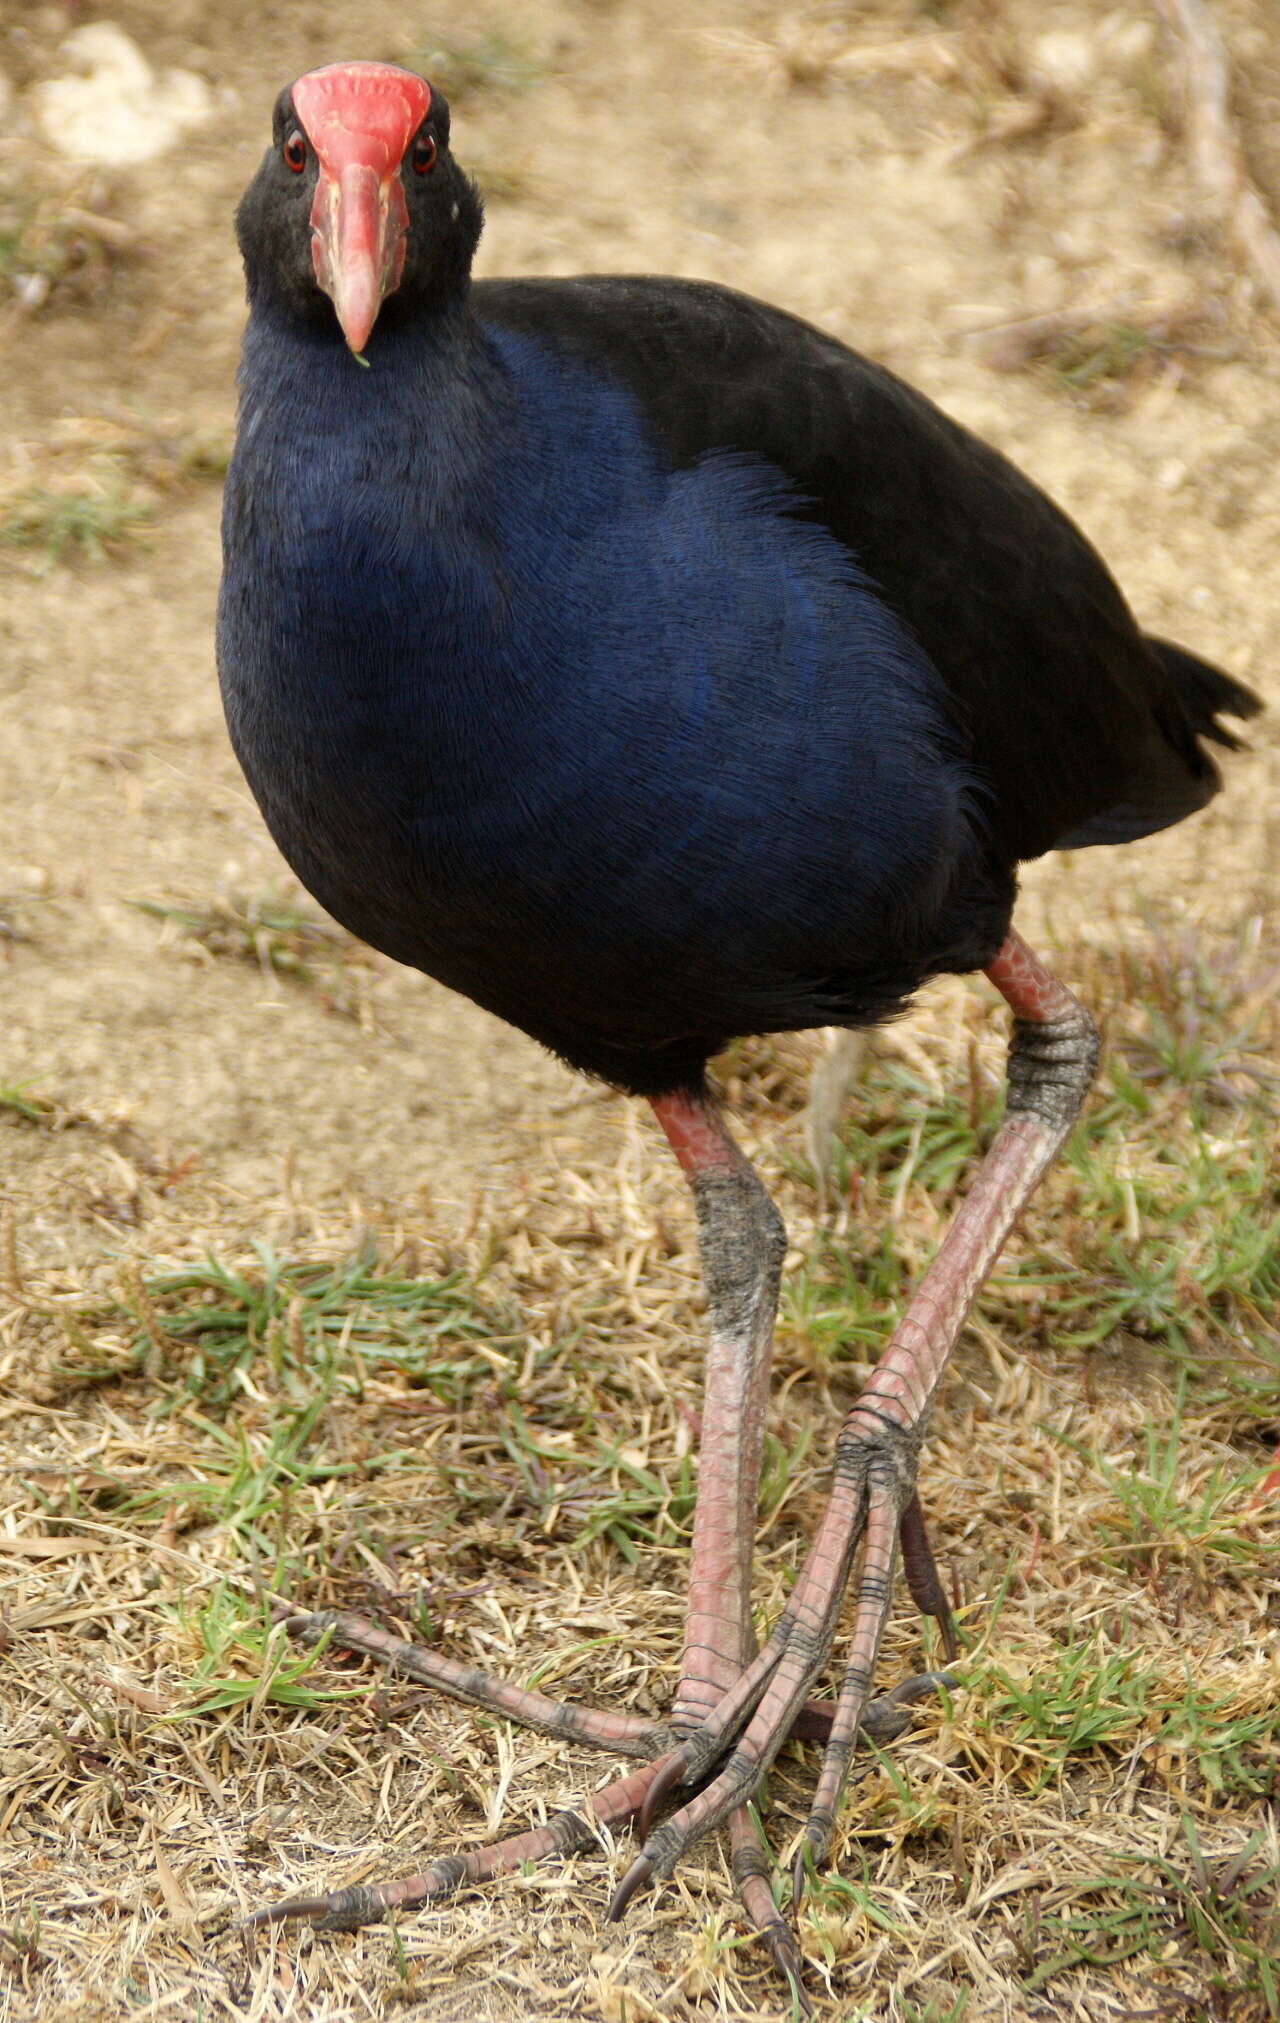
(870, 207)
(907, 208)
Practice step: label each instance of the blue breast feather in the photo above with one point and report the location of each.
(494, 671)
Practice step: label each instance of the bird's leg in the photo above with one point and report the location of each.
(1052, 1058)
(742, 1243)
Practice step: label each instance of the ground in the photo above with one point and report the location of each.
(315, 1275)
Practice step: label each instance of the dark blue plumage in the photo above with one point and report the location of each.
(633, 657)
(635, 757)
(652, 668)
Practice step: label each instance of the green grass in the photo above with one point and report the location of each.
(101, 483)
(429, 1444)
(280, 936)
(1162, 1220)
(1104, 361)
(1099, 1698)
(90, 521)
(1227, 1917)
(53, 247)
(308, 1329)
(249, 1661)
(1155, 1515)
(478, 65)
(16, 1101)
(253, 1356)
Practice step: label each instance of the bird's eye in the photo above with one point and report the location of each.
(295, 152)
(424, 155)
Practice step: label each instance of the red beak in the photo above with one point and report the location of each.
(358, 227)
(359, 118)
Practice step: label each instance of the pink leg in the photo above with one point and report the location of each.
(742, 1241)
(1051, 1063)
(743, 1244)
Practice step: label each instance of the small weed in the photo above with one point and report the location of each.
(282, 938)
(91, 518)
(58, 240)
(16, 1102)
(305, 1327)
(96, 481)
(247, 1661)
(948, 2008)
(609, 1494)
(483, 63)
(20, 1946)
(856, 1896)
(1084, 357)
(1096, 1696)
(1102, 360)
(1156, 1517)
(1172, 1909)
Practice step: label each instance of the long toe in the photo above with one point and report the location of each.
(755, 1892)
(564, 1833)
(587, 1727)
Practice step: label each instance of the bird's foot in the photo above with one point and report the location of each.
(882, 1720)
(641, 1794)
(872, 1497)
(564, 1834)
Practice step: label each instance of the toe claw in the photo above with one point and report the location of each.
(885, 1717)
(286, 1909)
(668, 1779)
(635, 1878)
(340, 1911)
(785, 1955)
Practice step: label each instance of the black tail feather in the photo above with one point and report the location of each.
(1186, 777)
(1204, 690)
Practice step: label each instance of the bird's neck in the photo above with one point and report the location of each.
(419, 407)
(367, 593)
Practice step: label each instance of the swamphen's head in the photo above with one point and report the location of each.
(358, 202)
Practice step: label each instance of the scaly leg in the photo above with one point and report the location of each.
(742, 1242)
(1051, 1062)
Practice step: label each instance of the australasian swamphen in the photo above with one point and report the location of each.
(648, 666)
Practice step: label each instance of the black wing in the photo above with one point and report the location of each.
(1088, 731)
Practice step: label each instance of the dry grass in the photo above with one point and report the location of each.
(61, 237)
(492, 1451)
(93, 485)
